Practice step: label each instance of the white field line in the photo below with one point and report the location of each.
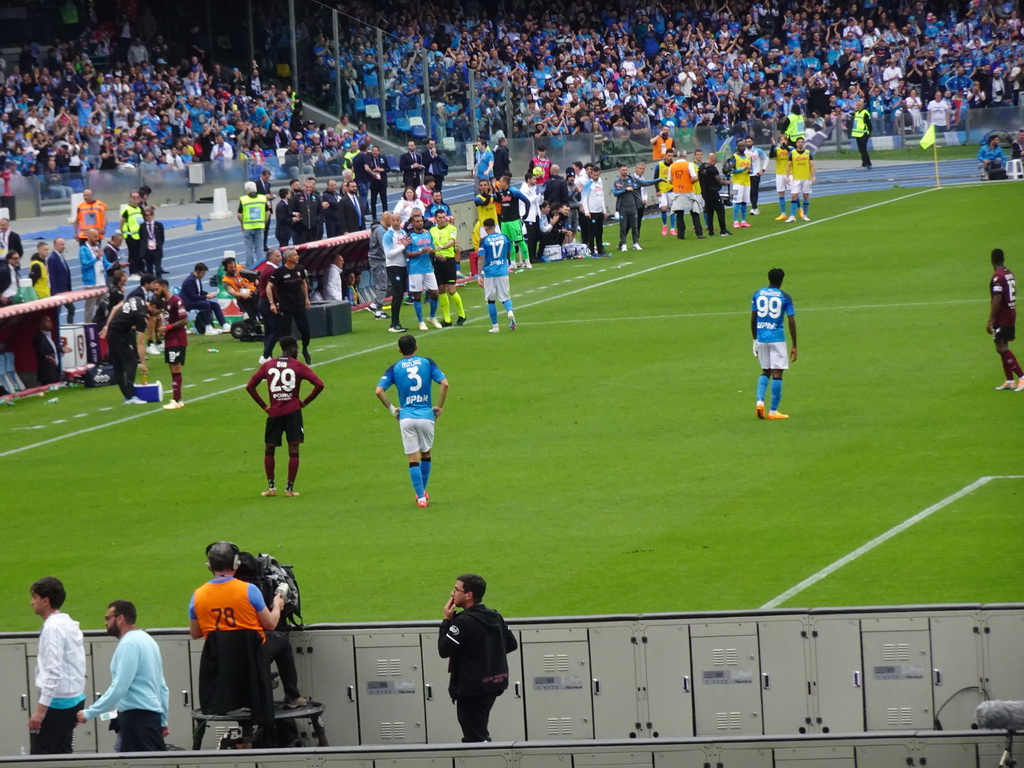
(684, 315)
(390, 345)
(828, 570)
(740, 244)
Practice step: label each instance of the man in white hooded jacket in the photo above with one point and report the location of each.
(60, 671)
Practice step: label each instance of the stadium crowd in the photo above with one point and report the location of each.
(576, 69)
(118, 94)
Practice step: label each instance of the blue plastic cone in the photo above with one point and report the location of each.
(199, 223)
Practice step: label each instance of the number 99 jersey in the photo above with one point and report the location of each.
(771, 305)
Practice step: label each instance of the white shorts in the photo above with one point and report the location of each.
(685, 202)
(800, 186)
(417, 434)
(772, 355)
(740, 194)
(781, 185)
(665, 200)
(496, 288)
(427, 282)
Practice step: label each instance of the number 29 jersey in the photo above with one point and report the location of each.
(771, 305)
(283, 376)
(412, 377)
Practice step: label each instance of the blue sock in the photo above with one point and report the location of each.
(762, 387)
(664, 218)
(433, 307)
(735, 212)
(807, 205)
(416, 476)
(776, 393)
(782, 206)
(425, 472)
(493, 312)
(743, 211)
(672, 220)
(794, 206)
(418, 306)
(507, 303)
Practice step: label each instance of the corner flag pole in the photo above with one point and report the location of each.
(935, 154)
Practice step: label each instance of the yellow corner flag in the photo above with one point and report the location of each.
(929, 137)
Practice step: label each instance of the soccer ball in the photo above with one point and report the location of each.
(538, 171)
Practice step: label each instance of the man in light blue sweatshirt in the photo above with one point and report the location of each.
(137, 688)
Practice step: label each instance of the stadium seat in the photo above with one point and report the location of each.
(417, 127)
(402, 124)
(373, 111)
(392, 116)
(360, 105)
(448, 143)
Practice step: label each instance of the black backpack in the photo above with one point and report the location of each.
(266, 573)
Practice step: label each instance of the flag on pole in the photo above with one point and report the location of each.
(929, 137)
(817, 141)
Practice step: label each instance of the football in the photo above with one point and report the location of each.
(538, 171)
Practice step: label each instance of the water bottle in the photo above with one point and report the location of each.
(53, 400)
(214, 351)
(145, 379)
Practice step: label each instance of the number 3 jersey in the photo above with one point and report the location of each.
(771, 305)
(283, 376)
(412, 377)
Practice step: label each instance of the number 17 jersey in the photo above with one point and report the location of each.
(283, 376)
(412, 377)
(771, 305)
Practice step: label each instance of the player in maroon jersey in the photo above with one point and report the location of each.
(174, 320)
(284, 414)
(1002, 318)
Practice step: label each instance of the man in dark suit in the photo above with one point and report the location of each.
(363, 174)
(10, 241)
(283, 218)
(9, 278)
(556, 191)
(196, 297)
(47, 353)
(263, 188)
(307, 213)
(437, 164)
(379, 183)
(152, 236)
(60, 274)
(330, 209)
(502, 162)
(412, 166)
(350, 212)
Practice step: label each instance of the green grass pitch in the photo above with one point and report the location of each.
(603, 458)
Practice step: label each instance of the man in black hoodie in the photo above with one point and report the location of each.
(476, 641)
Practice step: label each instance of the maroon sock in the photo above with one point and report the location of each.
(293, 468)
(1010, 365)
(268, 465)
(176, 386)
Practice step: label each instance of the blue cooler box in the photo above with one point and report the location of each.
(151, 393)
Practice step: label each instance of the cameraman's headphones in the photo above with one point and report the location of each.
(234, 551)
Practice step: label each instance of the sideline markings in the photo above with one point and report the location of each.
(828, 570)
(390, 345)
(683, 315)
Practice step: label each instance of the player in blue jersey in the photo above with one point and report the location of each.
(767, 309)
(494, 252)
(418, 254)
(412, 377)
